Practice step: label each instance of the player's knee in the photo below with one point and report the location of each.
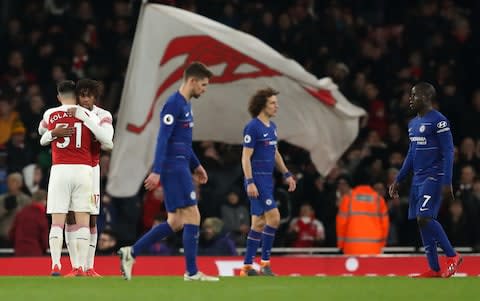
(175, 224)
(273, 222)
(422, 221)
(258, 225)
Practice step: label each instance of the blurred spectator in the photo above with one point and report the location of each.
(307, 231)
(214, 241)
(29, 232)
(34, 179)
(9, 118)
(107, 243)
(19, 153)
(107, 218)
(460, 228)
(10, 204)
(236, 218)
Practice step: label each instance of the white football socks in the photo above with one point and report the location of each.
(92, 248)
(55, 240)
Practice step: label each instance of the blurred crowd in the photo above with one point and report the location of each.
(374, 50)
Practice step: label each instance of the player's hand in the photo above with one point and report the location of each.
(292, 185)
(200, 174)
(152, 181)
(62, 132)
(447, 193)
(252, 191)
(393, 190)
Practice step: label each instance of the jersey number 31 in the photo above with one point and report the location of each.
(66, 140)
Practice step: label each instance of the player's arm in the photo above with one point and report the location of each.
(407, 163)
(57, 132)
(168, 119)
(42, 126)
(194, 162)
(107, 127)
(406, 167)
(47, 136)
(446, 148)
(247, 153)
(92, 122)
(284, 170)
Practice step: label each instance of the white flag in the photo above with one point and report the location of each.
(313, 114)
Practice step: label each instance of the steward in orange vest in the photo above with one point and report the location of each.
(362, 222)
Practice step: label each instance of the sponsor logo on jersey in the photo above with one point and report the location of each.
(419, 140)
(422, 128)
(247, 139)
(442, 124)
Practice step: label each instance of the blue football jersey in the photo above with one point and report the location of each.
(174, 140)
(431, 149)
(263, 140)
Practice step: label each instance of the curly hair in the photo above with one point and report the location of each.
(89, 87)
(259, 100)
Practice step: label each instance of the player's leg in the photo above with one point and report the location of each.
(82, 236)
(157, 233)
(70, 239)
(90, 271)
(92, 248)
(57, 205)
(254, 239)
(430, 246)
(191, 222)
(428, 211)
(81, 204)
(272, 218)
(428, 243)
(172, 225)
(55, 240)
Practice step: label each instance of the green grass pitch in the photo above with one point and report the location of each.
(241, 289)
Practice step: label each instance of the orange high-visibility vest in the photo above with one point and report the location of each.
(362, 222)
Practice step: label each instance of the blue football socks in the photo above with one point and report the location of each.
(253, 242)
(155, 234)
(430, 248)
(190, 246)
(439, 234)
(268, 236)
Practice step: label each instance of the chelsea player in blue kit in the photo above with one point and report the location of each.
(430, 156)
(259, 157)
(174, 160)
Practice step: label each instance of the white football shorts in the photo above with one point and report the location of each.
(70, 188)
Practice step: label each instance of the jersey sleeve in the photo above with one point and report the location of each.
(445, 140)
(92, 122)
(249, 136)
(43, 125)
(168, 119)
(407, 163)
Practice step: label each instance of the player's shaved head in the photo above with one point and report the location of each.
(426, 90)
(66, 88)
